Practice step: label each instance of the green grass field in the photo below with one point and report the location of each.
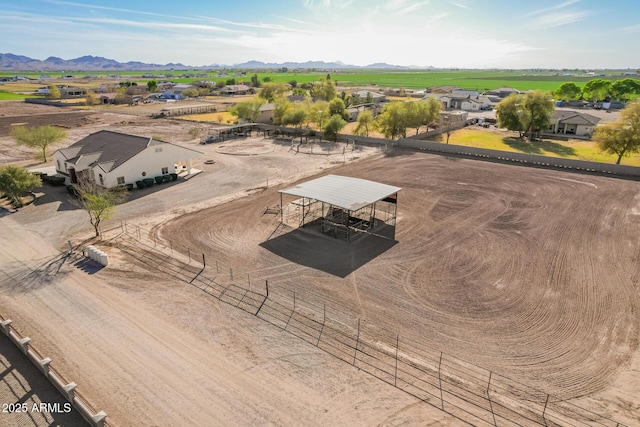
(414, 79)
(505, 141)
(10, 96)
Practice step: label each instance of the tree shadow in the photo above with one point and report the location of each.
(539, 147)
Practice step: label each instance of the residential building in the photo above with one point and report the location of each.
(569, 122)
(112, 158)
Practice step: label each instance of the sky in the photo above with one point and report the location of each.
(585, 34)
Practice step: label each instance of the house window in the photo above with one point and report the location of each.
(59, 167)
(101, 179)
(121, 180)
(159, 150)
(165, 171)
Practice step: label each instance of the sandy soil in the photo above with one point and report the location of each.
(529, 273)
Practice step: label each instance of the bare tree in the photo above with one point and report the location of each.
(38, 137)
(98, 201)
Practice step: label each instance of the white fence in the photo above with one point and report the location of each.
(68, 389)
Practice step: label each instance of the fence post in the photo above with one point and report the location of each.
(355, 353)
(6, 326)
(204, 264)
(324, 318)
(545, 410)
(266, 284)
(395, 380)
(171, 246)
(249, 281)
(440, 380)
(217, 271)
(489, 399)
(231, 273)
(189, 254)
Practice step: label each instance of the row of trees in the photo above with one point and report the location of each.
(526, 114)
(329, 112)
(623, 90)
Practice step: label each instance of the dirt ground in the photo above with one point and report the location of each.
(526, 272)
(529, 273)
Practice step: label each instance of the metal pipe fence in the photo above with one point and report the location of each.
(468, 392)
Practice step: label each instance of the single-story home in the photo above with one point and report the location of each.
(442, 89)
(176, 92)
(502, 92)
(231, 90)
(266, 113)
(362, 95)
(573, 123)
(465, 103)
(112, 158)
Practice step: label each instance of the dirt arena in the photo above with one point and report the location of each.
(529, 273)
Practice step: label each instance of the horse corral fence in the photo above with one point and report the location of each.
(470, 393)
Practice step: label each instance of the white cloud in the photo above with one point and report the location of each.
(631, 29)
(558, 19)
(327, 4)
(99, 7)
(411, 7)
(463, 6)
(553, 8)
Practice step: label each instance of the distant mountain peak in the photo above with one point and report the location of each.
(11, 62)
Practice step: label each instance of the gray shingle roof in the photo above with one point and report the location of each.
(574, 118)
(342, 191)
(105, 147)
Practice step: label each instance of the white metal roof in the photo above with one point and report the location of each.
(342, 191)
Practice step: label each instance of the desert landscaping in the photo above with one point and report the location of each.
(522, 273)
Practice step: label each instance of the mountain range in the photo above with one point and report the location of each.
(11, 62)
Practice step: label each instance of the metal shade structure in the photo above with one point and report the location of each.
(340, 204)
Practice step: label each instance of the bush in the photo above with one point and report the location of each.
(148, 181)
(71, 189)
(56, 181)
(129, 187)
(174, 176)
(140, 185)
(159, 179)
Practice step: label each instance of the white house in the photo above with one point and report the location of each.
(465, 103)
(112, 158)
(573, 123)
